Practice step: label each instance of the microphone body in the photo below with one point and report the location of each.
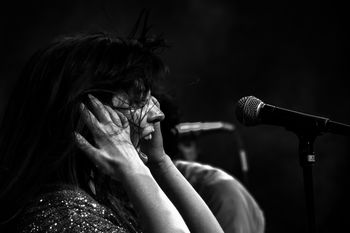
(200, 127)
(251, 111)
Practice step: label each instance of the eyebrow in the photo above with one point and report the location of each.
(138, 106)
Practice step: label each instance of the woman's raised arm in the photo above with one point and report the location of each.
(116, 156)
(191, 206)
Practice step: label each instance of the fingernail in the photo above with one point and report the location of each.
(92, 98)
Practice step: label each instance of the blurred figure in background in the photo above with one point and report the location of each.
(234, 207)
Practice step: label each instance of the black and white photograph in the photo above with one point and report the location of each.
(200, 116)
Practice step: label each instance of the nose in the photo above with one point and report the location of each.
(155, 114)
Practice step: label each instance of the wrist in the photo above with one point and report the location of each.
(134, 171)
(133, 180)
(160, 165)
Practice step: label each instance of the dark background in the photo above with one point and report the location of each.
(287, 53)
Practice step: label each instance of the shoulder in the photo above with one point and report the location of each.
(232, 204)
(212, 181)
(196, 172)
(68, 209)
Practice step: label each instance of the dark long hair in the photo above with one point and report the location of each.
(37, 145)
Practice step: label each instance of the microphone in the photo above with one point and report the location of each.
(200, 127)
(251, 111)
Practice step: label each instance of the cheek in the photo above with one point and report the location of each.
(140, 117)
(137, 118)
(137, 122)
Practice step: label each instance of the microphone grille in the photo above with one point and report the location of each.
(247, 110)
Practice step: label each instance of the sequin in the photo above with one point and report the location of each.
(73, 210)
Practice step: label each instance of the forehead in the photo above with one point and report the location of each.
(122, 99)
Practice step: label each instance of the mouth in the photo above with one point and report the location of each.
(145, 138)
(148, 137)
(147, 133)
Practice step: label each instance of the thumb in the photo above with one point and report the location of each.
(154, 148)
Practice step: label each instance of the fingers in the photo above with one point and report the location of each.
(91, 121)
(86, 147)
(105, 114)
(89, 118)
(99, 109)
(123, 118)
(117, 117)
(143, 156)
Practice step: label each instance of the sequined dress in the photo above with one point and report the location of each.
(70, 209)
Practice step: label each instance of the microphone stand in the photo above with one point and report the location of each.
(242, 158)
(307, 160)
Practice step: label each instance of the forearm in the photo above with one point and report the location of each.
(156, 212)
(117, 157)
(193, 209)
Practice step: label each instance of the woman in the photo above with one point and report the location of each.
(81, 147)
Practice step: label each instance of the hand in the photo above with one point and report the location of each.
(115, 155)
(154, 148)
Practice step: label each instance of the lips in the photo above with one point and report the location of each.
(146, 136)
(147, 133)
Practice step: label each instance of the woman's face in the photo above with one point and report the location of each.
(141, 118)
